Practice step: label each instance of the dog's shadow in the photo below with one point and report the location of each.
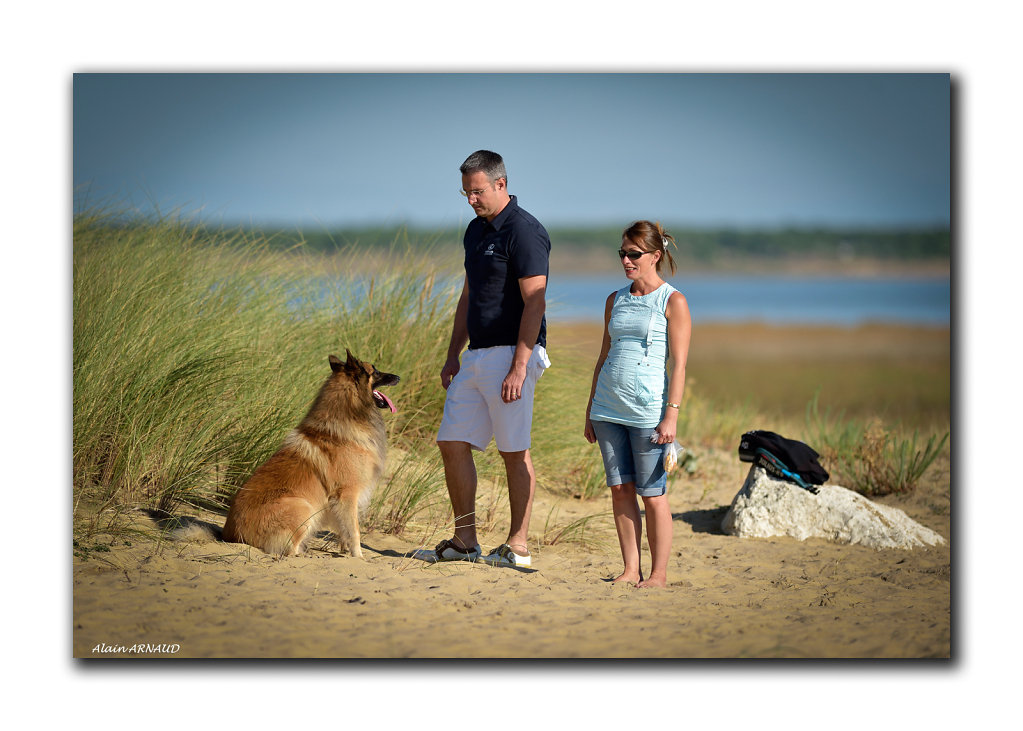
(325, 540)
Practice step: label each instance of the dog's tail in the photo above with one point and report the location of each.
(186, 529)
(192, 530)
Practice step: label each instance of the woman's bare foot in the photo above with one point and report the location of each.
(627, 578)
(653, 581)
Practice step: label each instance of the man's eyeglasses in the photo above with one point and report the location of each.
(633, 255)
(474, 193)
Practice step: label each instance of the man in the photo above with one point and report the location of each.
(500, 314)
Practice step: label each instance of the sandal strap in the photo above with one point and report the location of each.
(506, 551)
(448, 543)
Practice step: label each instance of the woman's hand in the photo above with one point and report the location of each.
(588, 432)
(667, 428)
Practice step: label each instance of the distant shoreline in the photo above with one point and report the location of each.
(568, 261)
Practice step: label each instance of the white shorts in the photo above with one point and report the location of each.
(473, 409)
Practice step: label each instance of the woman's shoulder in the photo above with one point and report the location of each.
(677, 303)
(609, 303)
(665, 293)
(669, 291)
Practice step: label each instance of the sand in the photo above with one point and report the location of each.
(727, 597)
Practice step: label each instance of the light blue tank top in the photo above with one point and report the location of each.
(633, 381)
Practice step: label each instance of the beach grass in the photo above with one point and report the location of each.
(869, 456)
(195, 352)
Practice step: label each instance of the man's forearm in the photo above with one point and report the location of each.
(460, 326)
(529, 328)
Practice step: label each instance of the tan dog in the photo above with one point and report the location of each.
(325, 470)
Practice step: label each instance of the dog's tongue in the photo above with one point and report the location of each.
(388, 401)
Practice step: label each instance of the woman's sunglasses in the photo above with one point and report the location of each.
(633, 255)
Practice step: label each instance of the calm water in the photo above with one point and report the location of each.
(775, 300)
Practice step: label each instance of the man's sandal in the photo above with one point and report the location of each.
(448, 550)
(503, 555)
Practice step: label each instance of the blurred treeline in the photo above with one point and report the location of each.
(695, 244)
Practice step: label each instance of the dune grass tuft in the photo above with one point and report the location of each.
(869, 456)
(195, 352)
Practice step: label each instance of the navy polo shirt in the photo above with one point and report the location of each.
(498, 254)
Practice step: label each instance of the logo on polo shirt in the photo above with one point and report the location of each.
(489, 251)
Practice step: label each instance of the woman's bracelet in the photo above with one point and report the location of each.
(674, 406)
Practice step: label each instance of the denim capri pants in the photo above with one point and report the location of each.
(630, 456)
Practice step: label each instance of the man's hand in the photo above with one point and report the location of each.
(449, 371)
(511, 387)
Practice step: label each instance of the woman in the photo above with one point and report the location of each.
(636, 393)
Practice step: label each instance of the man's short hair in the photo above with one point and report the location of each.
(484, 160)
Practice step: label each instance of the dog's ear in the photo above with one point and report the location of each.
(335, 363)
(354, 365)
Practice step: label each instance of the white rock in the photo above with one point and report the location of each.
(767, 507)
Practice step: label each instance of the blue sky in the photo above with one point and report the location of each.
(322, 150)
